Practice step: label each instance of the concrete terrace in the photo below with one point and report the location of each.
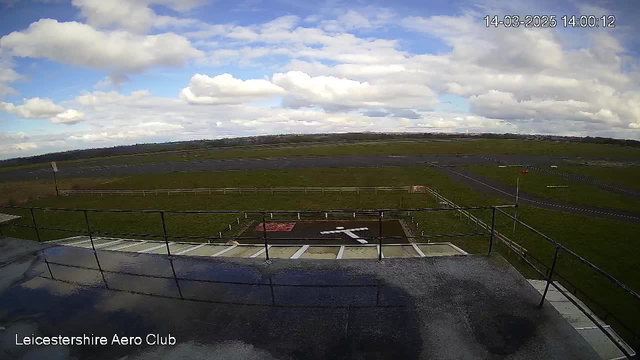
(442, 307)
(368, 251)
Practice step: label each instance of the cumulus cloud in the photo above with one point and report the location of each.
(117, 52)
(69, 116)
(321, 74)
(331, 92)
(225, 89)
(99, 98)
(37, 108)
(135, 16)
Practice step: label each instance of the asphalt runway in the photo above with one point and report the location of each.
(498, 189)
(535, 162)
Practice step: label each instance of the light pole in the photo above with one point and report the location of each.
(55, 181)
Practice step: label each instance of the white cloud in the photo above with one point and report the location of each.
(225, 89)
(117, 52)
(331, 92)
(358, 19)
(37, 108)
(69, 116)
(99, 98)
(135, 16)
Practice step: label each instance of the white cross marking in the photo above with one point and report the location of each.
(348, 232)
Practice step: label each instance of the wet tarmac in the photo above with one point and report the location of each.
(472, 307)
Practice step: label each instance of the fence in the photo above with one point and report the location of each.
(379, 214)
(250, 190)
(549, 272)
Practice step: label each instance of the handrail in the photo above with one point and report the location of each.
(308, 211)
(571, 252)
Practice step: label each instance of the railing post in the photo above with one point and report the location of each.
(34, 225)
(380, 235)
(493, 225)
(264, 236)
(164, 232)
(550, 277)
(86, 219)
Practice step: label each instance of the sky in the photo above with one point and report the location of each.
(96, 73)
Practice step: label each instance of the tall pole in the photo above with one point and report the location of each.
(550, 277)
(55, 183)
(264, 236)
(86, 219)
(54, 167)
(515, 215)
(380, 235)
(164, 232)
(493, 225)
(33, 218)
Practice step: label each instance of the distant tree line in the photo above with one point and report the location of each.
(288, 139)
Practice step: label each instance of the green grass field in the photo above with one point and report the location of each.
(609, 244)
(390, 147)
(577, 192)
(625, 176)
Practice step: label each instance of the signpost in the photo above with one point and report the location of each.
(55, 181)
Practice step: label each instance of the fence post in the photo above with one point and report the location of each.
(380, 235)
(164, 232)
(34, 225)
(86, 219)
(493, 224)
(264, 236)
(550, 277)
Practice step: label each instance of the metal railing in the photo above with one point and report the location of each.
(261, 215)
(550, 271)
(377, 214)
(247, 190)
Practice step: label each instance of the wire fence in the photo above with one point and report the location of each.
(249, 190)
(545, 271)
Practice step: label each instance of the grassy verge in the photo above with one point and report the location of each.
(274, 178)
(626, 176)
(579, 193)
(609, 244)
(18, 192)
(389, 147)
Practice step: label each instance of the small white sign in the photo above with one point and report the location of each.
(54, 166)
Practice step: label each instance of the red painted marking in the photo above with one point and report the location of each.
(274, 226)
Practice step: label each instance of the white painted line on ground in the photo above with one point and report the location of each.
(417, 249)
(259, 252)
(190, 249)
(152, 248)
(77, 242)
(300, 252)
(592, 327)
(457, 248)
(66, 239)
(110, 243)
(224, 250)
(130, 245)
(340, 253)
